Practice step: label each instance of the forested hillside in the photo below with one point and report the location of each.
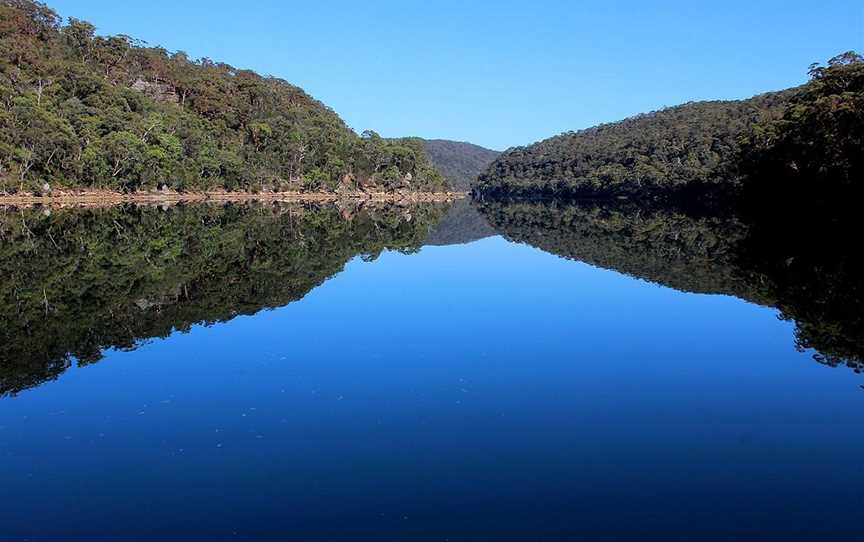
(85, 111)
(703, 149)
(460, 163)
(647, 156)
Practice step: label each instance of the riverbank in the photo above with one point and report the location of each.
(104, 198)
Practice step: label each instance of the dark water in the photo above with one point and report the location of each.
(303, 373)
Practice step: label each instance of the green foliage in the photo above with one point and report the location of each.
(83, 111)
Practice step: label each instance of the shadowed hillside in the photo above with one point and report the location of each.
(806, 140)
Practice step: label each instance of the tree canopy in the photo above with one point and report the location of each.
(814, 150)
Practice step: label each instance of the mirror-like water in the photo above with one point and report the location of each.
(512, 371)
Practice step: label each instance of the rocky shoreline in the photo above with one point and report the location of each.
(107, 198)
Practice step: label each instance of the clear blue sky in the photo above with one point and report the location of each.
(499, 73)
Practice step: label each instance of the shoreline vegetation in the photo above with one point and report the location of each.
(84, 198)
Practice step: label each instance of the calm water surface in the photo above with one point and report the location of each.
(339, 380)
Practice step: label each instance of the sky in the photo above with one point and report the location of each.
(502, 73)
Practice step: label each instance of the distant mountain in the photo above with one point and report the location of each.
(460, 163)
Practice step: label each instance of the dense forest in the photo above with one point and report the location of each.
(764, 145)
(76, 282)
(460, 163)
(779, 258)
(79, 110)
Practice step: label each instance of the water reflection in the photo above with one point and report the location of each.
(82, 280)
(79, 281)
(801, 261)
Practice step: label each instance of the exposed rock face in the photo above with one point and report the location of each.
(157, 91)
(346, 185)
(366, 183)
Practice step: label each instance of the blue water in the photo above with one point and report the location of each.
(486, 391)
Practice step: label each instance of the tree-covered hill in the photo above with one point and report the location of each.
(79, 110)
(701, 149)
(460, 163)
(645, 156)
